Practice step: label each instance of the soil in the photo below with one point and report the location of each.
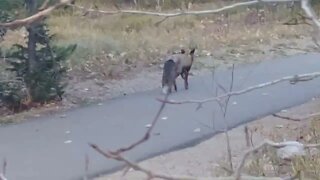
(208, 158)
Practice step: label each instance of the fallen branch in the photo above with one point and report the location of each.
(292, 79)
(203, 12)
(36, 17)
(297, 118)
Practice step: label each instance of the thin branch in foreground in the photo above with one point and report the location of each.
(226, 121)
(302, 118)
(292, 79)
(135, 166)
(4, 167)
(146, 135)
(152, 175)
(36, 17)
(238, 174)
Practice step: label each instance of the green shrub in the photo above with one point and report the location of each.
(46, 81)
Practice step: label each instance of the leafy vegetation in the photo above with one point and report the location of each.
(41, 81)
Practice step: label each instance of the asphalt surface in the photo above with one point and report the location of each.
(54, 148)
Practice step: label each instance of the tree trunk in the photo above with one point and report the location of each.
(32, 59)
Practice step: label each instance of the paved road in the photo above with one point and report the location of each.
(36, 149)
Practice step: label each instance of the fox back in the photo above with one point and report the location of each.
(183, 60)
(168, 76)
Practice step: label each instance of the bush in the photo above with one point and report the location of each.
(46, 81)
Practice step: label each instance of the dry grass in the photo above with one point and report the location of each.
(111, 45)
(136, 41)
(266, 163)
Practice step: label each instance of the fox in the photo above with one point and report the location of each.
(175, 65)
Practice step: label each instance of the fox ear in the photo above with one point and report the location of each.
(192, 51)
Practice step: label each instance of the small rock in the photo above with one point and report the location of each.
(68, 142)
(279, 126)
(293, 148)
(148, 125)
(100, 104)
(284, 110)
(197, 130)
(164, 118)
(234, 103)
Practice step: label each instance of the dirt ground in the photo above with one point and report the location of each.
(146, 78)
(207, 158)
(83, 91)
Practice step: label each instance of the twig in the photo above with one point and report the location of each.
(247, 136)
(86, 169)
(226, 121)
(4, 167)
(293, 79)
(297, 118)
(147, 134)
(152, 175)
(159, 22)
(135, 166)
(36, 17)
(44, 5)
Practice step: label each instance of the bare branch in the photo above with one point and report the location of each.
(226, 121)
(135, 166)
(204, 12)
(2, 177)
(292, 79)
(4, 167)
(146, 135)
(36, 17)
(152, 175)
(297, 118)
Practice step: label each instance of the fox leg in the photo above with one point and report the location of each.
(175, 85)
(186, 84)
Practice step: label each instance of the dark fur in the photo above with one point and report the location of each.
(169, 75)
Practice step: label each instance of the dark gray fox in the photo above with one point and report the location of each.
(175, 65)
